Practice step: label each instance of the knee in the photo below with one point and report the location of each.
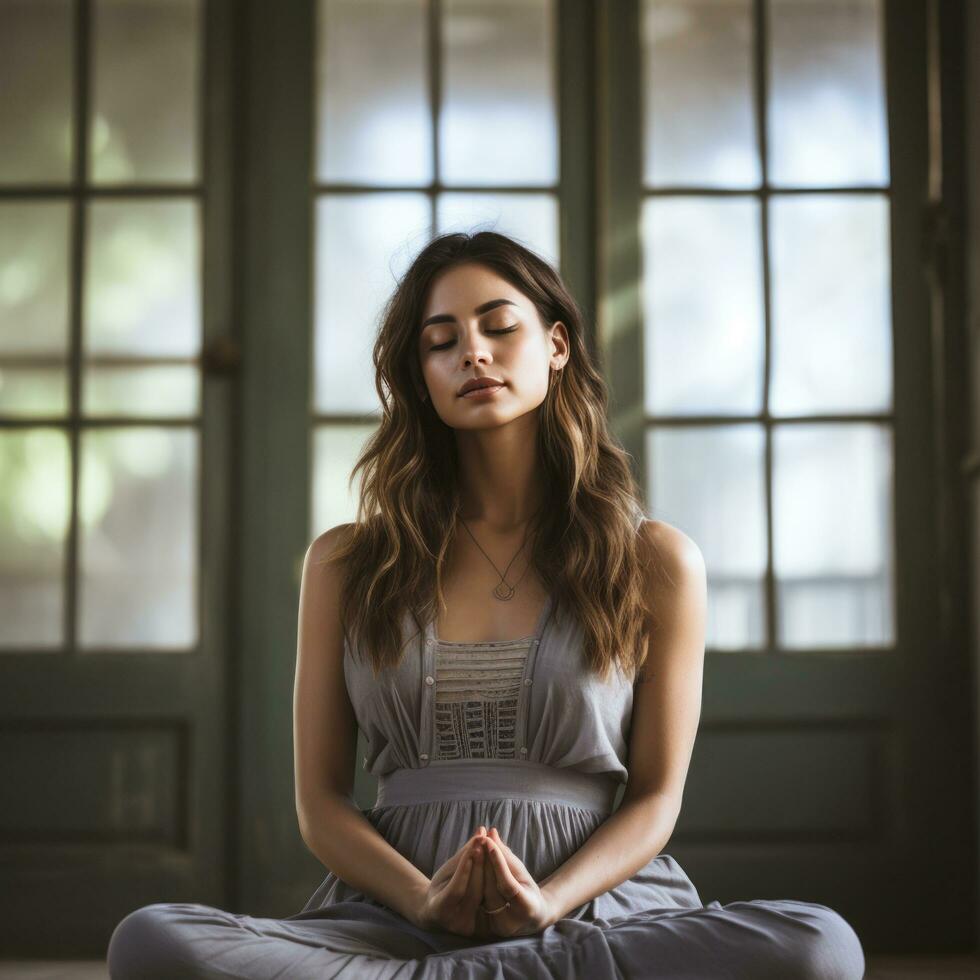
(829, 949)
(141, 948)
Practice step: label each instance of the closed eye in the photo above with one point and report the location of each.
(449, 343)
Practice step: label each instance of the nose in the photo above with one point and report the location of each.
(471, 351)
(470, 359)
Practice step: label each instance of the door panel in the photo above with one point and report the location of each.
(114, 470)
(776, 325)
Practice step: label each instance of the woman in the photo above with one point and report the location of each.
(507, 630)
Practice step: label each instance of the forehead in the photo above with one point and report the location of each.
(458, 291)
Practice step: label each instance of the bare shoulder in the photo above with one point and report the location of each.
(672, 553)
(327, 542)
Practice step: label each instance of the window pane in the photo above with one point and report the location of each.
(138, 530)
(34, 482)
(826, 110)
(498, 121)
(831, 309)
(144, 90)
(33, 277)
(142, 282)
(157, 390)
(698, 106)
(335, 450)
(702, 295)
(531, 218)
(364, 243)
(33, 391)
(367, 106)
(709, 482)
(36, 130)
(832, 530)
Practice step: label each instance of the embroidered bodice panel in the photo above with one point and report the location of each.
(478, 687)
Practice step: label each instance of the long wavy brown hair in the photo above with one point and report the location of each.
(584, 546)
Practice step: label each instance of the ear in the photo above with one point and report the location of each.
(559, 339)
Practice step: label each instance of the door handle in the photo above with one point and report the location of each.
(221, 356)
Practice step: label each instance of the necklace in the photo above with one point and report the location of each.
(502, 590)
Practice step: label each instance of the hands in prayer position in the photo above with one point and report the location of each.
(485, 891)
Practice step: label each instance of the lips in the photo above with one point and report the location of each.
(479, 383)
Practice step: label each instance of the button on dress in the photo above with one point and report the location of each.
(520, 735)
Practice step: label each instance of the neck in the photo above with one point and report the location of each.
(501, 486)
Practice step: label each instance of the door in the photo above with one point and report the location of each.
(738, 194)
(745, 225)
(775, 336)
(116, 356)
(359, 146)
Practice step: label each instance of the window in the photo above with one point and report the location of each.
(767, 317)
(451, 124)
(100, 324)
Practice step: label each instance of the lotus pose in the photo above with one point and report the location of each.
(522, 650)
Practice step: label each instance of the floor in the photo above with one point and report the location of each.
(881, 968)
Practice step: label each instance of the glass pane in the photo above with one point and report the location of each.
(498, 120)
(530, 218)
(36, 130)
(335, 451)
(698, 94)
(702, 297)
(368, 106)
(826, 111)
(138, 518)
(831, 304)
(155, 390)
(364, 244)
(145, 81)
(832, 530)
(142, 280)
(33, 391)
(709, 481)
(33, 277)
(35, 478)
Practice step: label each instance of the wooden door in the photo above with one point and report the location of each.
(117, 353)
(775, 340)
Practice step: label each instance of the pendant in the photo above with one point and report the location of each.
(503, 596)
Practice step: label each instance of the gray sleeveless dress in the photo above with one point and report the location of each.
(519, 735)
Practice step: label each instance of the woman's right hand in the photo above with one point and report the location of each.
(452, 900)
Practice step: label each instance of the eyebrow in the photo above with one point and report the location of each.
(490, 304)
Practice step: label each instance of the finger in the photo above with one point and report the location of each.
(450, 864)
(461, 876)
(492, 899)
(507, 884)
(493, 842)
(474, 890)
(514, 862)
(477, 835)
(445, 871)
(491, 889)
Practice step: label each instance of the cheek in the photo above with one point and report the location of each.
(439, 377)
(528, 369)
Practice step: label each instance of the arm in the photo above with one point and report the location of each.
(666, 712)
(324, 747)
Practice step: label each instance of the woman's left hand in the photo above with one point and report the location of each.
(530, 908)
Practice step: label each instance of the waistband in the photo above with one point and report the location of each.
(497, 779)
